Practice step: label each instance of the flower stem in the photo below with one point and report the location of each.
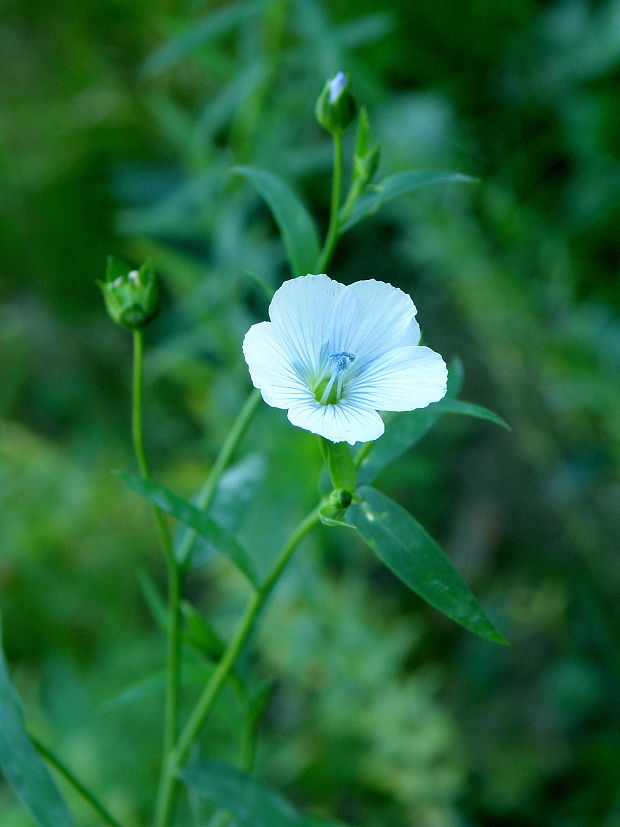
(333, 230)
(174, 576)
(205, 497)
(77, 785)
(225, 666)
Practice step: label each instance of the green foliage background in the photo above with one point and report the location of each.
(120, 122)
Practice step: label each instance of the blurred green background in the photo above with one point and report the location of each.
(120, 122)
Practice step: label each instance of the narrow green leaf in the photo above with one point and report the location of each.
(215, 25)
(457, 406)
(405, 548)
(396, 186)
(21, 765)
(251, 803)
(236, 491)
(406, 429)
(325, 516)
(297, 227)
(400, 434)
(200, 634)
(154, 685)
(198, 520)
(197, 633)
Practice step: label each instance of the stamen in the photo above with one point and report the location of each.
(344, 359)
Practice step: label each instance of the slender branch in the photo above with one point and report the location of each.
(77, 785)
(173, 631)
(233, 651)
(333, 231)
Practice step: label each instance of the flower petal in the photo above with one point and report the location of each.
(371, 318)
(339, 423)
(300, 311)
(401, 380)
(271, 369)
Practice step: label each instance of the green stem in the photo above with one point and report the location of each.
(222, 671)
(79, 788)
(333, 231)
(205, 497)
(173, 632)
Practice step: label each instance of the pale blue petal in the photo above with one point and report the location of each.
(401, 380)
(344, 422)
(271, 368)
(371, 318)
(300, 312)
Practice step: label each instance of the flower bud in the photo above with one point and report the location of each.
(333, 509)
(340, 499)
(131, 296)
(335, 107)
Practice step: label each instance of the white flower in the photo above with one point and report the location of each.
(333, 356)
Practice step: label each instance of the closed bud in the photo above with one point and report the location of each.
(131, 296)
(335, 107)
(340, 499)
(334, 508)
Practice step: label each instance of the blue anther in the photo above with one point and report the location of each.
(344, 358)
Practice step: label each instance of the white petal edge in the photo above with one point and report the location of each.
(271, 369)
(371, 318)
(338, 423)
(402, 380)
(300, 312)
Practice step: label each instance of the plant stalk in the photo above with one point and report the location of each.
(211, 691)
(173, 633)
(333, 230)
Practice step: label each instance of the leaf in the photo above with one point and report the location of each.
(198, 520)
(21, 765)
(406, 429)
(325, 516)
(295, 224)
(251, 803)
(236, 491)
(199, 633)
(396, 186)
(457, 406)
(199, 34)
(404, 546)
(154, 685)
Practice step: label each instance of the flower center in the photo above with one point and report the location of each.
(328, 388)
